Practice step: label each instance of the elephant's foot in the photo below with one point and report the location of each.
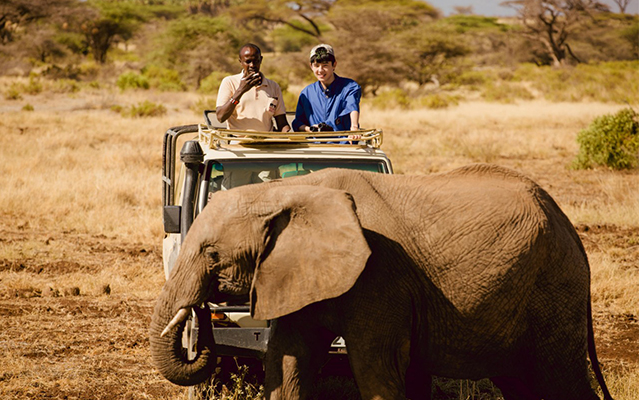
(514, 388)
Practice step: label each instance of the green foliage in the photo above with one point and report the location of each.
(430, 52)
(65, 86)
(145, 109)
(27, 107)
(611, 141)
(470, 78)
(198, 45)
(465, 23)
(438, 100)
(398, 98)
(615, 82)
(394, 98)
(132, 80)
(204, 103)
(163, 79)
(33, 87)
(607, 37)
(16, 89)
(111, 20)
(290, 100)
(505, 92)
(188, 34)
(13, 93)
(211, 83)
(287, 39)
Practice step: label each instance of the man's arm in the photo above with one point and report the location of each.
(281, 123)
(224, 111)
(300, 123)
(355, 120)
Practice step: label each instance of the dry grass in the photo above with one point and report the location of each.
(80, 207)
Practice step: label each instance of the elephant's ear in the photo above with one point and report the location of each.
(314, 250)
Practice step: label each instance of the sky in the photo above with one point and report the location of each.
(492, 8)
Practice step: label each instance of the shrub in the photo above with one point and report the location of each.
(13, 93)
(164, 79)
(211, 83)
(611, 141)
(66, 86)
(436, 101)
(290, 100)
(204, 103)
(27, 107)
(505, 92)
(132, 80)
(147, 109)
(33, 87)
(395, 98)
(614, 81)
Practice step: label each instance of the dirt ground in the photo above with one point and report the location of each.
(71, 345)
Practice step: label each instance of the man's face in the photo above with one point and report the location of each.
(250, 61)
(324, 71)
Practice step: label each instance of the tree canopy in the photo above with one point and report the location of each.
(378, 42)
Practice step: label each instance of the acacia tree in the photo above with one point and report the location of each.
(622, 5)
(552, 23)
(111, 21)
(299, 15)
(373, 51)
(17, 15)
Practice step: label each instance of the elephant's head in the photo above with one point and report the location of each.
(284, 246)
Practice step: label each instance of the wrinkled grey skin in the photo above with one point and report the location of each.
(469, 274)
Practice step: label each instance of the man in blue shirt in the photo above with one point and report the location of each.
(332, 103)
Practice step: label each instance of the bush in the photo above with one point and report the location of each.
(505, 92)
(66, 86)
(204, 103)
(211, 83)
(290, 100)
(611, 141)
(13, 93)
(164, 79)
(606, 81)
(34, 86)
(144, 109)
(132, 80)
(439, 100)
(27, 107)
(395, 98)
(147, 109)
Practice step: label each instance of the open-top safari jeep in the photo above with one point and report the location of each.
(213, 158)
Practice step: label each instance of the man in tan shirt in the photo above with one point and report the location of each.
(248, 100)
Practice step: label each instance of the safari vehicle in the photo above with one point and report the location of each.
(213, 158)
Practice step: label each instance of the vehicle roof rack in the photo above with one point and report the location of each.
(214, 138)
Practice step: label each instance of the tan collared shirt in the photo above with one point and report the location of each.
(257, 107)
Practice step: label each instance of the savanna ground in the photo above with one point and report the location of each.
(81, 230)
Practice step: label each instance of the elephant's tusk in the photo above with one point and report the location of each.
(181, 315)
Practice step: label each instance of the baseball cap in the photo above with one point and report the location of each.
(323, 46)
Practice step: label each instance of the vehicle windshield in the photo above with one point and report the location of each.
(224, 175)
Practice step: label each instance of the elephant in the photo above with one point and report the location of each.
(469, 274)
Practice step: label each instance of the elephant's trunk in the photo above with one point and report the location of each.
(167, 351)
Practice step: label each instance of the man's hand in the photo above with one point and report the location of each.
(249, 81)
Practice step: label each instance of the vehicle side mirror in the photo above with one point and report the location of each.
(171, 218)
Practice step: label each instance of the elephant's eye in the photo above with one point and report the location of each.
(211, 256)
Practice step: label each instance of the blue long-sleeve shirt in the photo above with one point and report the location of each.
(331, 106)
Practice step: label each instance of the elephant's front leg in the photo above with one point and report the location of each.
(380, 367)
(296, 350)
